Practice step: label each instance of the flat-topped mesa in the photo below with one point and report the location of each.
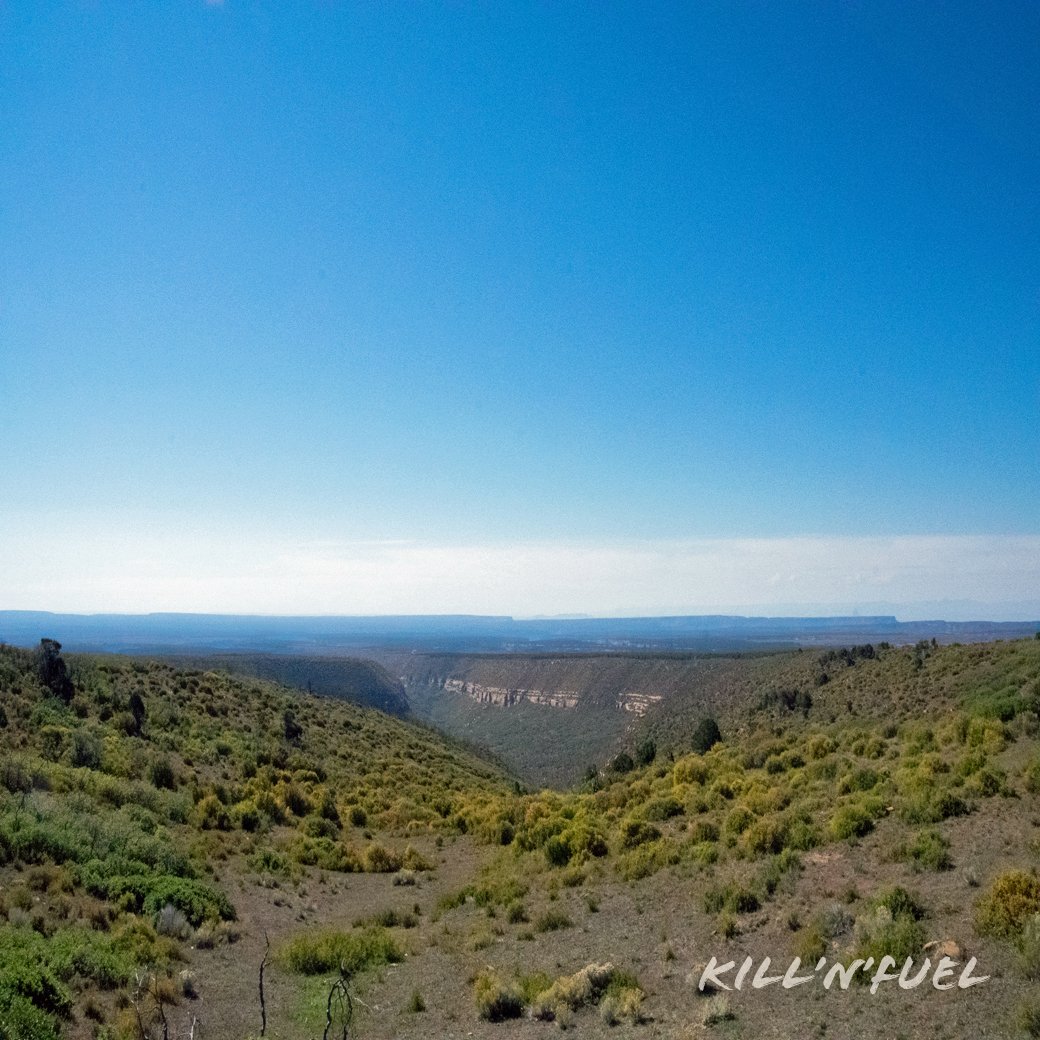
(504, 697)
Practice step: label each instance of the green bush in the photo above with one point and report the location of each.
(148, 893)
(779, 867)
(326, 854)
(315, 826)
(860, 780)
(268, 861)
(20, 1019)
(637, 832)
(35, 973)
(585, 840)
(85, 750)
(553, 921)
(389, 918)
(1032, 777)
(811, 945)
(622, 762)
(660, 809)
(690, 769)
(933, 807)
(703, 852)
(646, 752)
(881, 935)
(27, 971)
(928, 851)
(647, 859)
(802, 835)
(161, 774)
(851, 821)
(988, 782)
(900, 903)
(557, 851)
(765, 837)
(703, 830)
(211, 814)
(380, 860)
(324, 952)
(892, 927)
(734, 897)
(738, 820)
(515, 913)
(820, 746)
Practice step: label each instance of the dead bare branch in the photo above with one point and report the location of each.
(339, 1006)
(263, 1002)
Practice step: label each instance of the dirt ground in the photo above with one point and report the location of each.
(654, 928)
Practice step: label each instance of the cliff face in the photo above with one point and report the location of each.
(503, 697)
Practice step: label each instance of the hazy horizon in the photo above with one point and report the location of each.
(962, 612)
(911, 578)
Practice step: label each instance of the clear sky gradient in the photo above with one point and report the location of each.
(560, 307)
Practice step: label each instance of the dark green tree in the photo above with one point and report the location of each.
(138, 710)
(706, 735)
(293, 730)
(646, 752)
(622, 763)
(52, 670)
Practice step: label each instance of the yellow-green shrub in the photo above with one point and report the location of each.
(318, 953)
(496, 1001)
(851, 821)
(575, 991)
(1011, 900)
(690, 769)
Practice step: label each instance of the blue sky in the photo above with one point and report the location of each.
(518, 282)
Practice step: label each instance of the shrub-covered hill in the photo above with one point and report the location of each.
(122, 782)
(866, 682)
(157, 827)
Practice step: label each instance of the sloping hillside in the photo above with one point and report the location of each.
(361, 682)
(133, 797)
(867, 682)
(550, 716)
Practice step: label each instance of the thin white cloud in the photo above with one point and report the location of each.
(96, 567)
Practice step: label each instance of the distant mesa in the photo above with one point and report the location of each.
(463, 633)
